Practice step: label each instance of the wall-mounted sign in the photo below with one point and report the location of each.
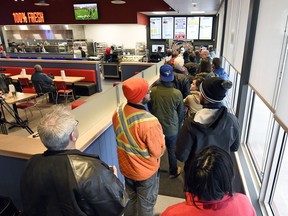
(28, 17)
(180, 28)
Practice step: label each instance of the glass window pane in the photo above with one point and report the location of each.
(279, 202)
(259, 132)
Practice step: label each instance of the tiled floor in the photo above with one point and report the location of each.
(162, 202)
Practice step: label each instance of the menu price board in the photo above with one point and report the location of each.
(192, 28)
(206, 28)
(180, 28)
(167, 27)
(155, 27)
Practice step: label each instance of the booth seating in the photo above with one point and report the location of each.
(86, 87)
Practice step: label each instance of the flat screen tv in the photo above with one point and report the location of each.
(87, 11)
(155, 47)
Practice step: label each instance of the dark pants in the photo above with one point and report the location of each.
(170, 142)
(143, 195)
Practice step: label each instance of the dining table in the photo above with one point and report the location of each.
(68, 79)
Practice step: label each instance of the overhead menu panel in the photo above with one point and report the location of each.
(155, 27)
(180, 28)
(167, 27)
(192, 28)
(206, 24)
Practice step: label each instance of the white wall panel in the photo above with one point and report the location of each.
(268, 45)
(126, 34)
(236, 32)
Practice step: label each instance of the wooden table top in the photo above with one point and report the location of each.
(67, 79)
(20, 96)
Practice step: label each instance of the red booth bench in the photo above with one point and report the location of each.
(85, 88)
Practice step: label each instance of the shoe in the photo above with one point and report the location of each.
(179, 171)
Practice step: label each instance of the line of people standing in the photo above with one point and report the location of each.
(151, 121)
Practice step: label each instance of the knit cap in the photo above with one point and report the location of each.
(166, 73)
(135, 89)
(214, 89)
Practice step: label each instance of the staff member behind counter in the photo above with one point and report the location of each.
(110, 55)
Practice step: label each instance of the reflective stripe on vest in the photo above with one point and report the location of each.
(124, 123)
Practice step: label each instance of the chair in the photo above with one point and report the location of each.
(26, 86)
(61, 89)
(39, 91)
(7, 207)
(27, 105)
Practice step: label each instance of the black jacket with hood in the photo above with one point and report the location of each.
(223, 132)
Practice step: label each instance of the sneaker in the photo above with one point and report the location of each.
(179, 171)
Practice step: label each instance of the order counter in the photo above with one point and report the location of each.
(96, 136)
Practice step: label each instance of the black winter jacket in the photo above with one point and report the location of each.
(193, 136)
(70, 183)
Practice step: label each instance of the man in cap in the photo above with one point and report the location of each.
(140, 144)
(167, 105)
(212, 125)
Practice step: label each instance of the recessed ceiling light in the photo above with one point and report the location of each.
(159, 12)
(118, 2)
(41, 3)
(197, 12)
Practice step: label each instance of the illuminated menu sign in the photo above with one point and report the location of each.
(206, 28)
(167, 27)
(180, 28)
(28, 17)
(192, 28)
(155, 27)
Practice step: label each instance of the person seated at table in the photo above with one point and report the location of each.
(46, 82)
(208, 186)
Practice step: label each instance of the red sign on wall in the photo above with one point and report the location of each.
(28, 17)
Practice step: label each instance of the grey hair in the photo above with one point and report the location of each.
(178, 62)
(38, 67)
(55, 128)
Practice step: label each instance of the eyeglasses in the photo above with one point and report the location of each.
(76, 123)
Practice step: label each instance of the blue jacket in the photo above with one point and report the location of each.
(221, 73)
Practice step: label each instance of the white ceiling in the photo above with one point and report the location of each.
(184, 7)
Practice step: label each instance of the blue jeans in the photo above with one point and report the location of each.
(170, 142)
(143, 195)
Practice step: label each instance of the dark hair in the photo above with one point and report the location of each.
(217, 62)
(210, 175)
(198, 79)
(80, 48)
(192, 57)
(205, 66)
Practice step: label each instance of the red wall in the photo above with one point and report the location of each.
(61, 11)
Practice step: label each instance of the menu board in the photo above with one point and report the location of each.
(180, 28)
(192, 28)
(206, 28)
(167, 27)
(155, 27)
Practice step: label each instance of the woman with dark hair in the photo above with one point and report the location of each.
(208, 186)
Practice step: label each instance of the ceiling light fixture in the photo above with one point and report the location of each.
(197, 12)
(159, 12)
(41, 3)
(118, 2)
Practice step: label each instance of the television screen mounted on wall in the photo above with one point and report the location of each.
(87, 11)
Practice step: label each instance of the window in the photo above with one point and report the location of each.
(259, 133)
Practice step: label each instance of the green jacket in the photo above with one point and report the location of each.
(167, 105)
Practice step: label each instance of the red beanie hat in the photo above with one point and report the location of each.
(135, 89)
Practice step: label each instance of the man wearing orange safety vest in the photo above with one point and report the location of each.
(140, 144)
